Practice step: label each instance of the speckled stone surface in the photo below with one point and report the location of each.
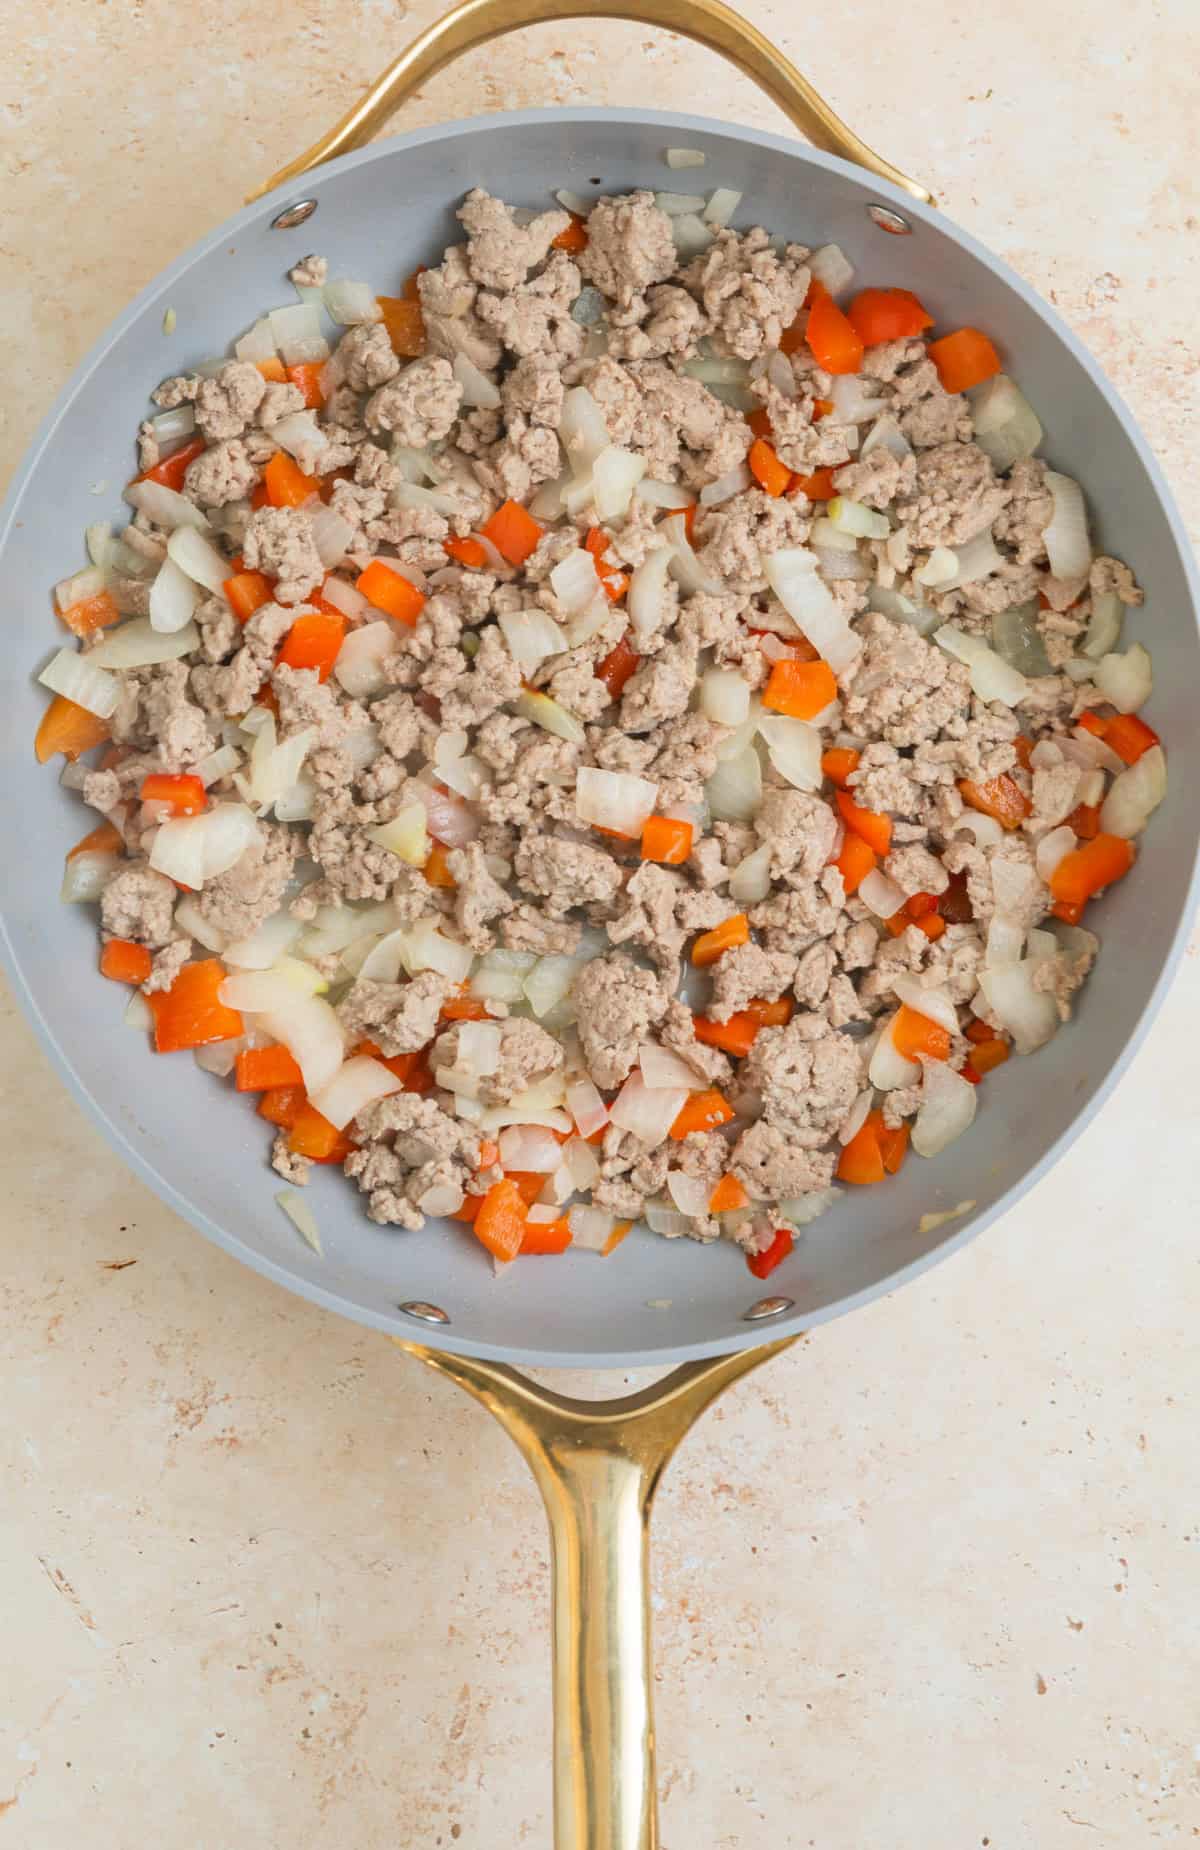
(929, 1582)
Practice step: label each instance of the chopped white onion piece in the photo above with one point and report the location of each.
(298, 801)
(881, 895)
(663, 494)
(574, 581)
(1104, 628)
(977, 558)
(450, 820)
(221, 1057)
(805, 1208)
(266, 945)
(931, 1001)
(1126, 680)
(1066, 540)
(217, 765)
(826, 537)
(854, 517)
(855, 399)
(441, 1198)
(351, 304)
(529, 1147)
(548, 983)
(332, 534)
(792, 575)
(724, 696)
(550, 716)
(734, 790)
(684, 565)
(721, 206)
(1090, 752)
(477, 389)
(496, 1117)
(1051, 849)
(591, 1228)
(275, 768)
(78, 678)
(735, 482)
(173, 599)
(166, 507)
(885, 433)
(691, 235)
(857, 1116)
(299, 434)
(646, 599)
(794, 748)
(86, 874)
(189, 918)
(1135, 795)
(426, 948)
(661, 1068)
(1005, 940)
(256, 344)
(1006, 425)
(901, 609)
(616, 472)
(479, 1050)
(572, 202)
(1029, 1014)
(832, 268)
(586, 1107)
(532, 635)
(689, 1193)
(86, 584)
(948, 1104)
(614, 799)
(713, 369)
(347, 598)
(334, 927)
(193, 849)
(359, 665)
(685, 157)
(198, 559)
(646, 1112)
(582, 430)
(889, 1068)
(668, 1221)
(356, 1084)
(296, 330)
(379, 961)
(938, 569)
(750, 881)
(675, 205)
(991, 676)
(581, 1162)
(466, 776)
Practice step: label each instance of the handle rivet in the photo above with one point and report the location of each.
(424, 1313)
(294, 214)
(768, 1307)
(887, 220)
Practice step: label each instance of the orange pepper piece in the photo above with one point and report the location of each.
(314, 1136)
(986, 1055)
(306, 377)
(465, 1008)
(314, 641)
(281, 1105)
(618, 665)
(861, 1160)
(91, 614)
(106, 838)
(247, 592)
(1023, 746)
(614, 1239)
(572, 237)
(1129, 736)
(262, 1069)
(764, 1263)
(391, 592)
(800, 689)
(1068, 910)
(273, 370)
(125, 962)
(1090, 868)
(877, 315)
(1092, 722)
(723, 937)
(466, 551)
(819, 486)
(772, 476)
(667, 839)
(727, 1196)
(405, 324)
(760, 422)
(513, 532)
(437, 870)
(171, 471)
(999, 797)
(528, 1184)
(835, 342)
(932, 924)
(189, 1014)
(838, 763)
(546, 1237)
(978, 1031)
(893, 1146)
(772, 1014)
(914, 1033)
(500, 1222)
(183, 791)
(704, 1111)
(855, 861)
(615, 581)
(963, 359)
(1085, 820)
(875, 830)
(735, 1036)
(69, 729)
(286, 483)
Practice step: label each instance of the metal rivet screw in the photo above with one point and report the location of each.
(424, 1313)
(887, 220)
(293, 214)
(768, 1307)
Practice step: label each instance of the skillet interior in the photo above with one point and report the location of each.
(194, 1140)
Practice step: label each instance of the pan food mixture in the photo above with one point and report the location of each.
(626, 729)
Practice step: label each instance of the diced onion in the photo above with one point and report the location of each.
(734, 790)
(498, 1116)
(1029, 1014)
(668, 1221)
(582, 430)
(189, 918)
(334, 927)
(529, 1147)
(931, 1001)
(646, 1112)
(547, 713)
(217, 765)
(299, 434)
(977, 558)
(581, 1162)
(1104, 628)
(685, 157)
(1005, 940)
(675, 205)
(477, 388)
(586, 1107)
(614, 799)
(750, 881)
(889, 1068)
(346, 598)
(173, 599)
(88, 583)
(901, 609)
(724, 696)
(663, 494)
(794, 748)
(332, 534)
(991, 677)
(661, 1068)
(466, 776)
(685, 566)
(948, 1104)
(722, 205)
(857, 1116)
(734, 482)
(1126, 680)
(1051, 849)
(221, 1058)
(713, 369)
(356, 1084)
(616, 473)
(1066, 540)
(1135, 795)
(938, 569)
(256, 344)
(646, 599)
(1017, 640)
(886, 434)
(548, 983)
(792, 575)
(296, 330)
(450, 821)
(166, 507)
(198, 559)
(805, 1208)
(1006, 425)
(359, 665)
(574, 581)
(856, 518)
(881, 895)
(689, 1193)
(826, 537)
(380, 961)
(274, 768)
(193, 849)
(78, 678)
(426, 948)
(591, 1228)
(691, 235)
(351, 304)
(86, 874)
(832, 268)
(532, 635)
(266, 945)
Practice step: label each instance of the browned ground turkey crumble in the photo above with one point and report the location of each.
(536, 880)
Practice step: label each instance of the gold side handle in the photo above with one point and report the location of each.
(598, 1465)
(709, 22)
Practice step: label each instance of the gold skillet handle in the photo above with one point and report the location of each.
(709, 22)
(598, 1464)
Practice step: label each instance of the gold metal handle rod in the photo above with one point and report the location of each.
(598, 1465)
(708, 22)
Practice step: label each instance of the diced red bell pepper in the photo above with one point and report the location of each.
(183, 791)
(764, 1263)
(189, 1014)
(314, 641)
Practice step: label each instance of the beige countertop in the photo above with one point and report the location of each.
(928, 1583)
